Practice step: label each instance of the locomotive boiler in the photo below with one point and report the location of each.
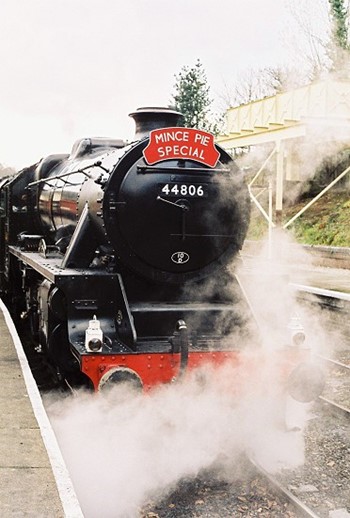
(116, 256)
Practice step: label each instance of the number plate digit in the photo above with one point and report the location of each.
(183, 190)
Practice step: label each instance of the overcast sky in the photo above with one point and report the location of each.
(77, 68)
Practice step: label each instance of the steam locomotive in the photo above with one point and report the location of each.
(117, 256)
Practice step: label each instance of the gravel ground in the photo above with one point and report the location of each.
(337, 388)
(323, 482)
(207, 496)
(343, 356)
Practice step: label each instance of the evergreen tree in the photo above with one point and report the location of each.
(339, 15)
(339, 43)
(191, 96)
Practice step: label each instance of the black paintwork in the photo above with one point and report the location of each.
(95, 239)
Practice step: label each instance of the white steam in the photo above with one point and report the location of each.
(123, 449)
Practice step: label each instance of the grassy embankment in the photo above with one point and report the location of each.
(326, 222)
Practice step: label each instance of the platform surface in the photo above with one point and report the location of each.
(334, 279)
(29, 486)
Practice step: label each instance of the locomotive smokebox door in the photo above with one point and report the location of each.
(171, 216)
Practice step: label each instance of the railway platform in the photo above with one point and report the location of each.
(301, 272)
(333, 279)
(322, 267)
(34, 479)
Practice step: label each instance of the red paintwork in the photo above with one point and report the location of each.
(181, 144)
(158, 368)
(154, 368)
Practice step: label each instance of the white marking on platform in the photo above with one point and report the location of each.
(70, 504)
(320, 291)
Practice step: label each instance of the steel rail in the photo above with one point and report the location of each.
(340, 409)
(334, 362)
(302, 509)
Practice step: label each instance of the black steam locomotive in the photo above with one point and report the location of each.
(116, 256)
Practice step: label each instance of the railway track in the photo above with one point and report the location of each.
(316, 488)
(322, 481)
(284, 493)
(256, 493)
(337, 391)
(335, 308)
(335, 406)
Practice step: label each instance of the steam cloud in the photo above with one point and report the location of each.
(122, 449)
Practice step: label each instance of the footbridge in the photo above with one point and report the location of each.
(295, 129)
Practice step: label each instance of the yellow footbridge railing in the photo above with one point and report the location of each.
(314, 114)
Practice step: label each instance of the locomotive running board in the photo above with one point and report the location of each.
(48, 267)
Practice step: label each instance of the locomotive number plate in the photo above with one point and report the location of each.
(185, 190)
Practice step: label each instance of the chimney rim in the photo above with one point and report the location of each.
(147, 110)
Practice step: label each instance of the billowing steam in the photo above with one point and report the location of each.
(123, 448)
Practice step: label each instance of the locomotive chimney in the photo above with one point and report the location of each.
(147, 119)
